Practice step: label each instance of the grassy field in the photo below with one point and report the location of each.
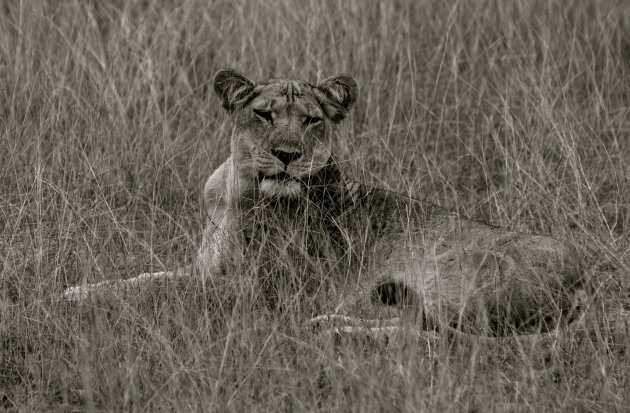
(516, 113)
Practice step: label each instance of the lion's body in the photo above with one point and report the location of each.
(351, 249)
(281, 207)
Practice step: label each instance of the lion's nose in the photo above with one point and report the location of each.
(286, 157)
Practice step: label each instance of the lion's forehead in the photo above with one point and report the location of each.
(290, 88)
(278, 94)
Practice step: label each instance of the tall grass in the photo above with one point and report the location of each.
(515, 113)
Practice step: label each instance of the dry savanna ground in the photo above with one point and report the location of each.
(515, 113)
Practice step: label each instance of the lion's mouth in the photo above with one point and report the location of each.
(280, 177)
(280, 185)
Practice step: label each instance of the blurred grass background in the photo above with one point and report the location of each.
(515, 113)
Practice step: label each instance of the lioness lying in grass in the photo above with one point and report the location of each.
(280, 206)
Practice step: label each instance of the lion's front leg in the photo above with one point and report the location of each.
(217, 200)
(218, 194)
(84, 291)
(220, 241)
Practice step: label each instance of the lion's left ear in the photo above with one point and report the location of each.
(234, 89)
(337, 94)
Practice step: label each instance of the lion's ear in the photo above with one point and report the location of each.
(234, 89)
(337, 94)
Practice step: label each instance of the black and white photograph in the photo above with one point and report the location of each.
(315, 206)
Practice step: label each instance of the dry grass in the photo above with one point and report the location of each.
(511, 112)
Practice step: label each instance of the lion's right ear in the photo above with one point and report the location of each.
(234, 89)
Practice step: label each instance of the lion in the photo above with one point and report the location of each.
(281, 206)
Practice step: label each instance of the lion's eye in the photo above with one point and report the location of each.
(264, 115)
(311, 120)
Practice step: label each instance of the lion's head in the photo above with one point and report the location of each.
(283, 128)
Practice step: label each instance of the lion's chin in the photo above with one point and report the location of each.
(273, 188)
